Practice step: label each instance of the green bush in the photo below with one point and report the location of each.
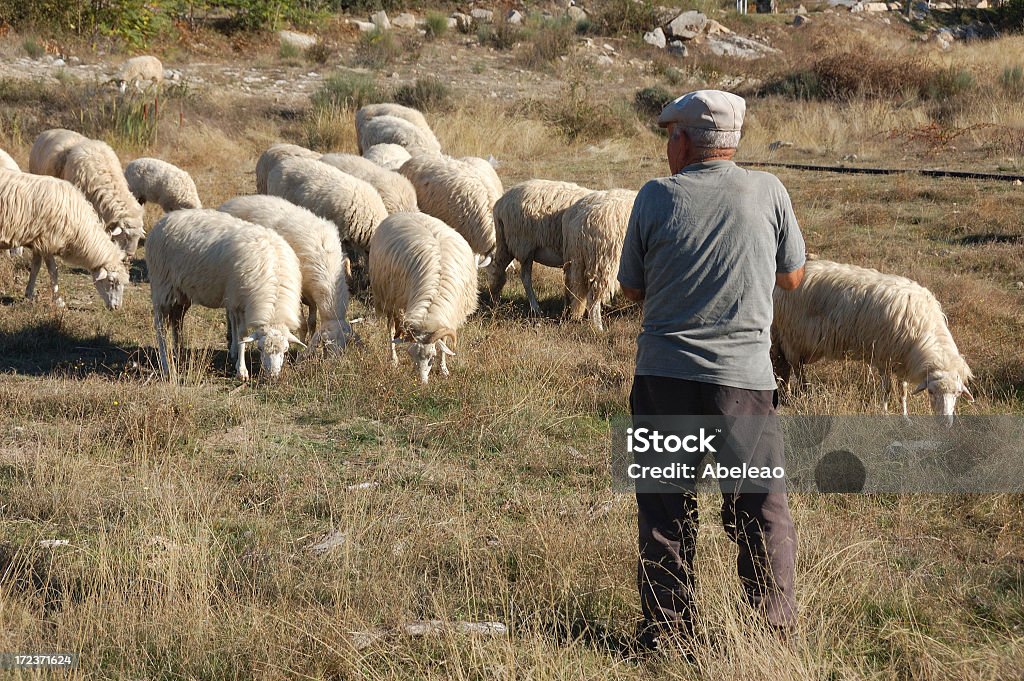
(377, 49)
(1012, 80)
(347, 91)
(549, 39)
(500, 35)
(651, 100)
(623, 17)
(33, 48)
(437, 24)
(426, 94)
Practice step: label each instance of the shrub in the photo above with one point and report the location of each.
(437, 24)
(319, 53)
(377, 49)
(549, 40)
(1012, 80)
(426, 94)
(580, 117)
(651, 100)
(623, 17)
(500, 35)
(288, 51)
(347, 91)
(33, 48)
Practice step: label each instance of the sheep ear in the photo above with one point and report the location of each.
(101, 275)
(921, 386)
(116, 231)
(292, 338)
(967, 393)
(445, 349)
(483, 261)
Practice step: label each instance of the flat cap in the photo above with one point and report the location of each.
(707, 109)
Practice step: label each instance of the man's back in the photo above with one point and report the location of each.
(705, 245)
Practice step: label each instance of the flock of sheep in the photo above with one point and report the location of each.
(414, 226)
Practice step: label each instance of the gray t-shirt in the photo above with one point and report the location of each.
(705, 245)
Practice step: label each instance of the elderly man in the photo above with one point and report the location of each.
(703, 250)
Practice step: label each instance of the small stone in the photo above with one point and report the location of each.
(453, 23)
(484, 16)
(58, 62)
(1020, 285)
(801, 9)
(404, 20)
(655, 38)
(576, 13)
(687, 25)
(514, 17)
(330, 541)
(604, 60)
(380, 20)
(74, 61)
(364, 26)
(800, 20)
(1017, 183)
(303, 41)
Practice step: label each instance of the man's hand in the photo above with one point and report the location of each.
(636, 295)
(788, 281)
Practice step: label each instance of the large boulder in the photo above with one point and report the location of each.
(483, 16)
(302, 41)
(687, 25)
(404, 20)
(380, 20)
(739, 47)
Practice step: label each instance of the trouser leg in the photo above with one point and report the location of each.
(668, 539)
(763, 529)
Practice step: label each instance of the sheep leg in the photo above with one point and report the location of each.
(311, 322)
(392, 326)
(51, 267)
(886, 391)
(30, 290)
(232, 340)
(527, 276)
(240, 368)
(177, 314)
(444, 364)
(904, 396)
(595, 312)
(161, 343)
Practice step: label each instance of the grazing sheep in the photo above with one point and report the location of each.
(393, 130)
(53, 218)
(353, 205)
(390, 156)
(8, 163)
(138, 69)
(890, 322)
(423, 279)
(454, 191)
(321, 259)
(269, 158)
(50, 149)
(218, 261)
(395, 190)
(593, 230)
(528, 228)
(488, 174)
(93, 167)
(371, 111)
(155, 181)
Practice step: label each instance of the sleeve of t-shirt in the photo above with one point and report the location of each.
(631, 264)
(792, 252)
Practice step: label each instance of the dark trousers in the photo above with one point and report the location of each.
(760, 524)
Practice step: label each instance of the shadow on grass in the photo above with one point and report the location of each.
(989, 238)
(46, 349)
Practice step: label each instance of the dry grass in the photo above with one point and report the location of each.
(191, 510)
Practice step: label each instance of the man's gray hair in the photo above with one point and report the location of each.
(713, 139)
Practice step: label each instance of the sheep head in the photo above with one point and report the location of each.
(424, 349)
(127, 234)
(944, 388)
(273, 344)
(109, 282)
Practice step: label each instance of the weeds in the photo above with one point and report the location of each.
(649, 101)
(623, 17)
(500, 35)
(548, 39)
(33, 48)
(347, 90)
(426, 94)
(1011, 80)
(378, 49)
(436, 24)
(319, 53)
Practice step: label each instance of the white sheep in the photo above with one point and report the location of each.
(93, 167)
(390, 156)
(144, 69)
(371, 111)
(50, 149)
(155, 181)
(593, 230)
(321, 259)
(528, 228)
(393, 130)
(395, 190)
(488, 174)
(269, 158)
(423, 279)
(353, 205)
(53, 218)
(455, 192)
(215, 260)
(890, 322)
(8, 163)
